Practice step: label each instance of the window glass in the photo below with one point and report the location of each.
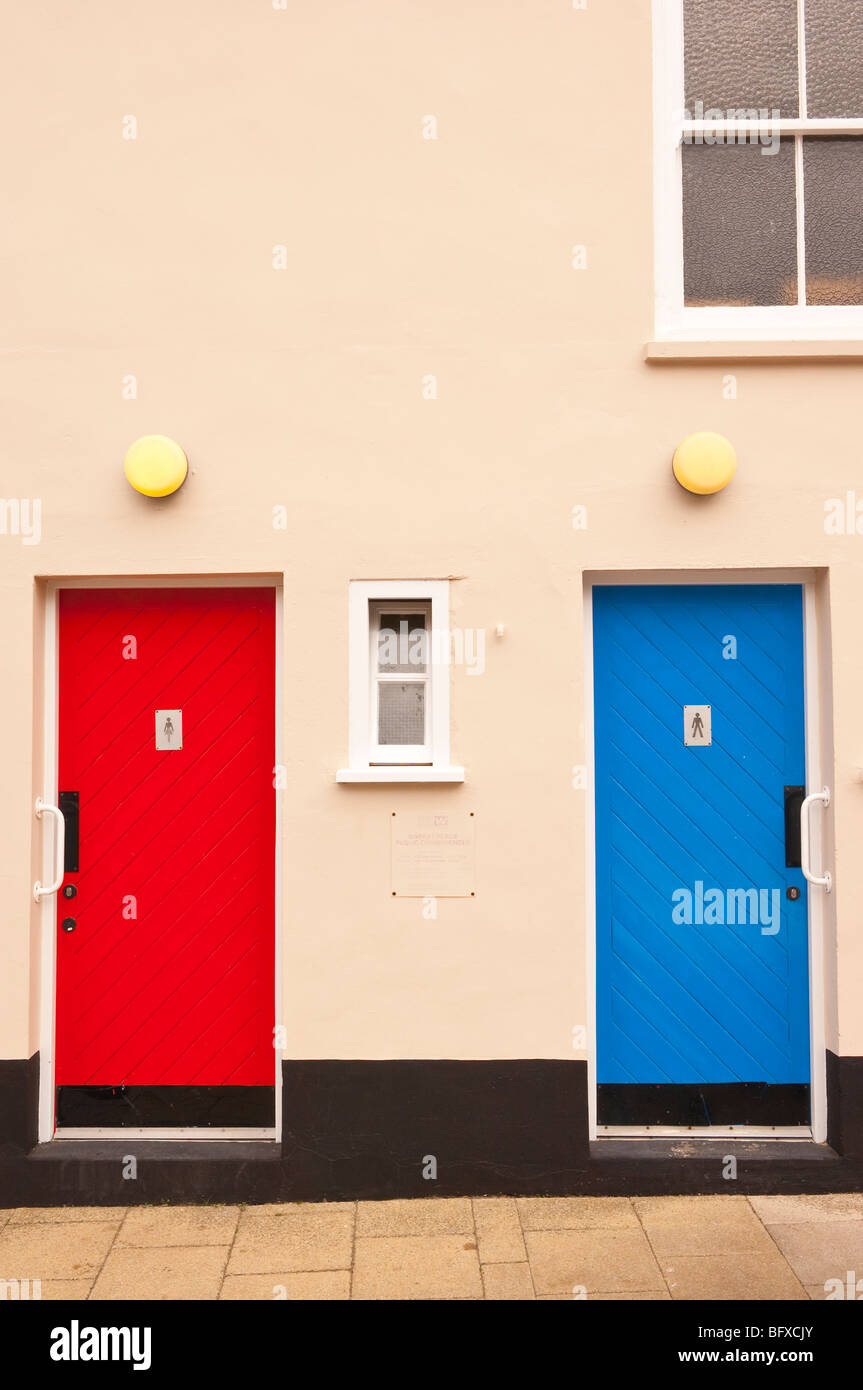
(834, 58)
(741, 54)
(401, 712)
(402, 642)
(739, 225)
(833, 178)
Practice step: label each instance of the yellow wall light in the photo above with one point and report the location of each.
(704, 463)
(156, 465)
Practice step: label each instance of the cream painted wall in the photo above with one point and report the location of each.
(303, 387)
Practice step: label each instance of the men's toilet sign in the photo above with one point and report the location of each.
(169, 729)
(696, 726)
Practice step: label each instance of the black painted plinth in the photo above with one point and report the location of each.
(383, 1129)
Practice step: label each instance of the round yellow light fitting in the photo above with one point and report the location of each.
(156, 465)
(704, 463)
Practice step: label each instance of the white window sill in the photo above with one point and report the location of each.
(765, 350)
(400, 774)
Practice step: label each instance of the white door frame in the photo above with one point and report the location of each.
(48, 905)
(817, 907)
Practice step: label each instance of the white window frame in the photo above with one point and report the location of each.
(674, 321)
(389, 753)
(369, 761)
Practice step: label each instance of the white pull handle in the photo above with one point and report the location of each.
(44, 809)
(824, 880)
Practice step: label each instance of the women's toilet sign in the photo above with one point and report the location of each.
(696, 726)
(169, 729)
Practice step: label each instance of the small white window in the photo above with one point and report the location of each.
(759, 169)
(399, 682)
(400, 661)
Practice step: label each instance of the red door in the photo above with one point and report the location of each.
(165, 924)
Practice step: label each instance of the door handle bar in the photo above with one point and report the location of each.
(824, 880)
(43, 808)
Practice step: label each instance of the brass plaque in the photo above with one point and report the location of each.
(434, 854)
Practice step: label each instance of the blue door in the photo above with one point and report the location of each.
(702, 940)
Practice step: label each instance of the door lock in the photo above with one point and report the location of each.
(69, 890)
(792, 893)
(68, 924)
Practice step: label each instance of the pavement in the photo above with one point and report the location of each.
(725, 1247)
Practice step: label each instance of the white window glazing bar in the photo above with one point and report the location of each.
(801, 221)
(802, 99)
(790, 126)
(802, 106)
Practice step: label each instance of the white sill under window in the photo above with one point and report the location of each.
(736, 332)
(754, 349)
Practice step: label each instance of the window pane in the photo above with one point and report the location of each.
(833, 197)
(402, 642)
(834, 57)
(739, 55)
(739, 224)
(401, 712)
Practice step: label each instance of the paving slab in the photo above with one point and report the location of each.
(600, 1261)
(508, 1281)
(177, 1272)
(576, 1213)
(72, 1250)
(293, 1239)
(419, 1216)
(498, 1230)
(189, 1225)
(320, 1285)
(817, 1250)
(62, 1216)
(673, 1211)
(410, 1267)
(751, 1277)
(72, 1289)
(290, 1208)
(786, 1211)
(702, 1226)
(652, 1296)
